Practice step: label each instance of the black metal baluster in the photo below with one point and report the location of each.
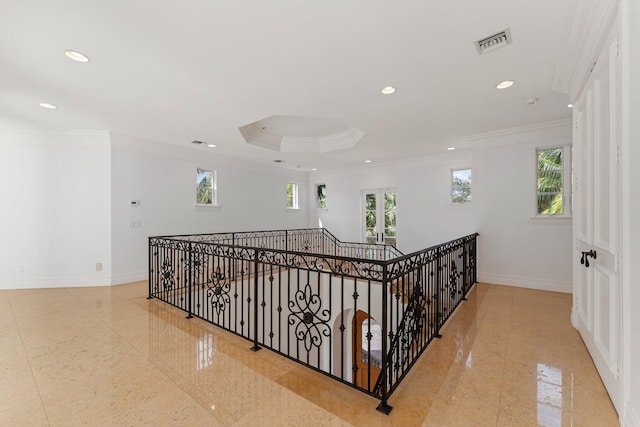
(255, 347)
(384, 406)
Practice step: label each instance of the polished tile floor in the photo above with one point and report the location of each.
(110, 357)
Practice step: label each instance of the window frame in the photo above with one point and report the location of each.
(451, 181)
(213, 187)
(317, 194)
(567, 184)
(294, 196)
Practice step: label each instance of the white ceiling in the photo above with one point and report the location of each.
(178, 71)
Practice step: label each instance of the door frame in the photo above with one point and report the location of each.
(598, 307)
(380, 208)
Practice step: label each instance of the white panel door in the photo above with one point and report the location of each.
(597, 287)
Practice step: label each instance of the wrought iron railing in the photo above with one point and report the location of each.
(361, 314)
(314, 240)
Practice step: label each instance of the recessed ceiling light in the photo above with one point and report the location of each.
(314, 169)
(278, 161)
(367, 161)
(388, 90)
(211, 145)
(505, 84)
(569, 105)
(76, 56)
(47, 105)
(197, 142)
(451, 148)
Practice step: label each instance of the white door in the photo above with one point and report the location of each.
(380, 216)
(597, 285)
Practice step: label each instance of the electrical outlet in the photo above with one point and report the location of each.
(134, 223)
(98, 266)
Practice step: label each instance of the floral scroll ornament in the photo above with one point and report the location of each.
(311, 323)
(218, 291)
(167, 275)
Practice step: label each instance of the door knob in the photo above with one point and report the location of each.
(585, 257)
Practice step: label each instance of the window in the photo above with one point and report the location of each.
(550, 197)
(292, 195)
(461, 186)
(321, 196)
(206, 187)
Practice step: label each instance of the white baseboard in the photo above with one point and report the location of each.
(54, 282)
(526, 282)
(71, 282)
(631, 418)
(118, 279)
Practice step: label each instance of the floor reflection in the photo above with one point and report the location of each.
(549, 395)
(502, 361)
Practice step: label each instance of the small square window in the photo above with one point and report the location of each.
(206, 187)
(321, 196)
(292, 195)
(461, 186)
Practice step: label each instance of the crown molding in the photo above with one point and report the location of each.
(36, 137)
(589, 23)
(557, 130)
(141, 145)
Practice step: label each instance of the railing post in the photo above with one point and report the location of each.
(465, 273)
(474, 254)
(151, 269)
(190, 267)
(437, 296)
(384, 406)
(255, 347)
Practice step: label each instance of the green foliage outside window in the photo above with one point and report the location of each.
(292, 195)
(321, 196)
(550, 171)
(461, 186)
(205, 193)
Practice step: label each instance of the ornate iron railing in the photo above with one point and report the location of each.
(361, 314)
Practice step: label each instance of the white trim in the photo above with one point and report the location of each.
(465, 207)
(551, 220)
(55, 282)
(194, 153)
(452, 158)
(526, 282)
(631, 418)
(72, 137)
(204, 206)
(119, 279)
(630, 40)
(586, 30)
(557, 132)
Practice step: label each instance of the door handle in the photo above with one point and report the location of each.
(585, 257)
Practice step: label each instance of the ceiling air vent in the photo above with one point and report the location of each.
(493, 42)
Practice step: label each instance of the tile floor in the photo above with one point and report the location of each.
(110, 357)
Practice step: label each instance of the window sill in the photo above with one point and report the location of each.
(200, 206)
(291, 209)
(550, 219)
(322, 209)
(459, 206)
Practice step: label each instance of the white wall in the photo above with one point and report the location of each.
(425, 214)
(513, 248)
(54, 220)
(162, 178)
